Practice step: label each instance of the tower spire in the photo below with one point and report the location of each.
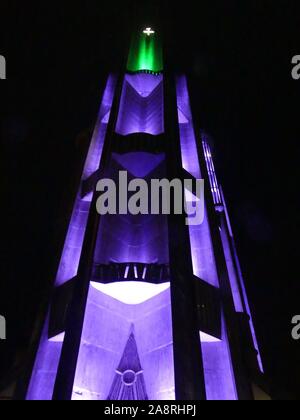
(145, 53)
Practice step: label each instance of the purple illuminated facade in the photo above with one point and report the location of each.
(146, 307)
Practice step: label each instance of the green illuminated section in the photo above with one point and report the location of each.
(145, 53)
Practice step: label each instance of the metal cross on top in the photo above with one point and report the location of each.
(148, 31)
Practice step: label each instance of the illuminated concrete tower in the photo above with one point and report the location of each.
(145, 307)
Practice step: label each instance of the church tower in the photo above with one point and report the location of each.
(145, 306)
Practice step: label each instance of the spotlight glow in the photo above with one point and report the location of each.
(131, 292)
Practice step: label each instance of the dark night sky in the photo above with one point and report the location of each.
(238, 56)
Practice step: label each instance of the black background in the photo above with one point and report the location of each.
(238, 55)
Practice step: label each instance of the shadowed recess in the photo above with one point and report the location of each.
(139, 164)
